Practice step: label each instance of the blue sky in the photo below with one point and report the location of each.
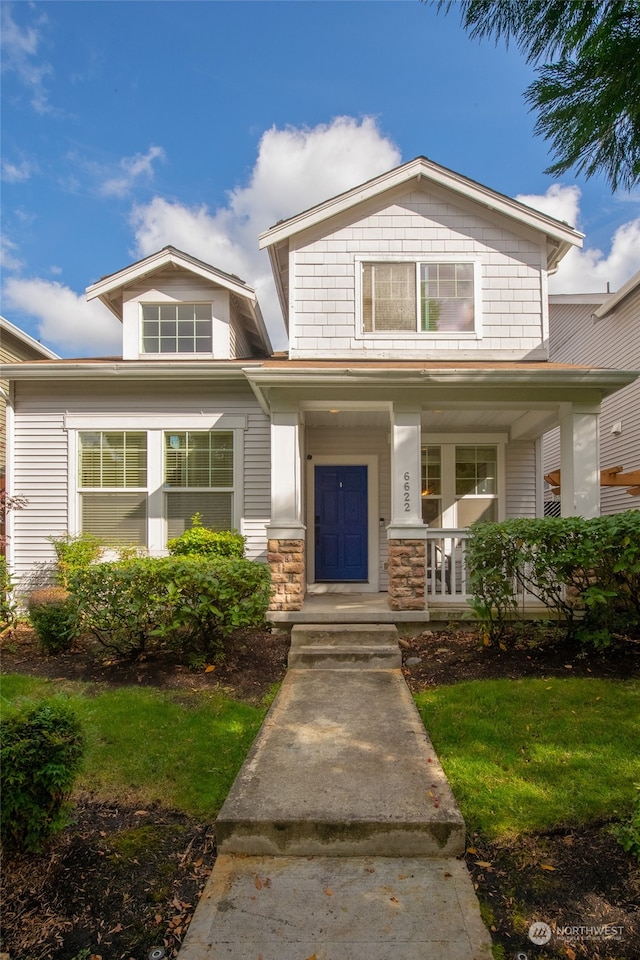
(130, 124)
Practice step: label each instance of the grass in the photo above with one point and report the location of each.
(530, 755)
(183, 750)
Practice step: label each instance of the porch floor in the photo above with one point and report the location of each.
(364, 608)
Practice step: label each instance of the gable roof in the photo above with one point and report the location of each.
(612, 301)
(560, 236)
(109, 289)
(23, 342)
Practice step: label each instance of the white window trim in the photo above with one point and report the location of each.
(417, 334)
(200, 355)
(448, 444)
(155, 428)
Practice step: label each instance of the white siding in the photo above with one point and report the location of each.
(521, 471)
(325, 314)
(614, 342)
(42, 472)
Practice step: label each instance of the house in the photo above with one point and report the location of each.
(15, 344)
(412, 400)
(604, 329)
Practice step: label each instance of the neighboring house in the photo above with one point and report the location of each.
(603, 329)
(15, 344)
(412, 401)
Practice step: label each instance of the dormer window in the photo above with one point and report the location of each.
(177, 328)
(409, 297)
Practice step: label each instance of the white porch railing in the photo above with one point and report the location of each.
(446, 568)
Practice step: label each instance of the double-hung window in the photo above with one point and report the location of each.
(459, 484)
(177, 328)
(112, 481)
(423, 297)
(198, 478)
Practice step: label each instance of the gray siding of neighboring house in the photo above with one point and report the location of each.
(611, 341)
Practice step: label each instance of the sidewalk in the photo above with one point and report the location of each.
(339, 838)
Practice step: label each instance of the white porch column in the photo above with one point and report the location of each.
(406, 504)
(580, 461)
(286, 531)
(406, 533)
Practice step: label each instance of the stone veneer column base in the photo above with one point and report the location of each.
(286, 559)
(406, 574)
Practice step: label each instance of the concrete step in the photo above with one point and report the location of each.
(345, 656)
(341, 767)
(343, 647)
(369, 634)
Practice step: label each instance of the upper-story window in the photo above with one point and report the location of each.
(409, 297)
(176, 328)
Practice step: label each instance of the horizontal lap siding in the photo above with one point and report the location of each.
(614, 342)
(41, 472)
(521, 470)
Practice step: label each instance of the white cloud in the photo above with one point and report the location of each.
(8, 259)
(20, 56)
(588, 270)
(17, 172)
(70, 325)
(130, 169)
(295, 169)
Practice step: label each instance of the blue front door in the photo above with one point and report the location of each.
(341, 523)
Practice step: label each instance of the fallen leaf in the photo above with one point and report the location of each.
(483, 863)
(257, 882)
(570, 953)
(328, 891)
(312, 957)
(546, 866)
(394, 900)
(116, 929)
(448, 874)
(431, 794)
(471, 850)
(141, 813)
(210, 667)
(158, 918)
(403, 876)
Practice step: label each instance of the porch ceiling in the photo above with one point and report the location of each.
(433, 421)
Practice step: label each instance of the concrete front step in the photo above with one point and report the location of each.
(340, 647)
(341, 767)
(345, 657)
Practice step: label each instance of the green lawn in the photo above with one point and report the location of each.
(182, 749)
(530, 755)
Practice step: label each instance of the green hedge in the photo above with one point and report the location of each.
(203, 542)
(586, 571)
(54, 617)
(187, 604)
(41, 748)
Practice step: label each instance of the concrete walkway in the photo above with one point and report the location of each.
(340, 836)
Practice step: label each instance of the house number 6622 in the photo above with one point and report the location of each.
(407, 492)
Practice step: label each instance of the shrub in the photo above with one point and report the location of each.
(41, 748)
(628, 834)
(74, 553)
(8, 605)
(586, 571)
(178, 603)
(204, 542)
(54, 616)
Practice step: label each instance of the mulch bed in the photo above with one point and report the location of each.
(120, 881)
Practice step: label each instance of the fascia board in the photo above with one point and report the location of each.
(156, 262)
(599, 379)
(419, 169)
(190, 370)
